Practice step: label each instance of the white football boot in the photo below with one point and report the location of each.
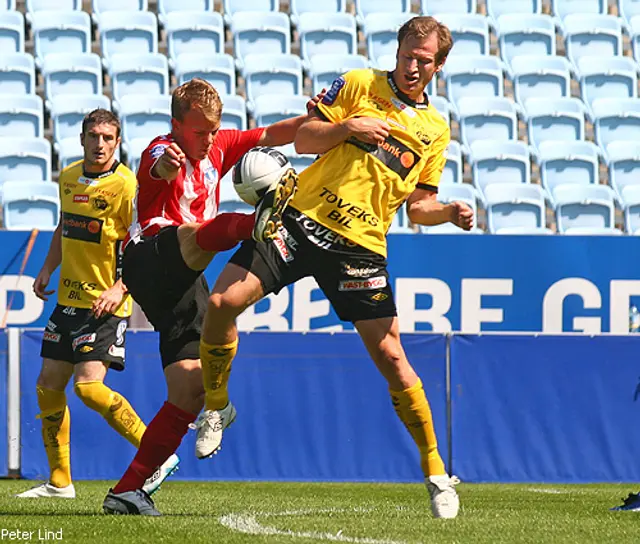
(210, 425)
(50, 491)
(270, 208)
(445, 502)
(153, 482)
(133, 503)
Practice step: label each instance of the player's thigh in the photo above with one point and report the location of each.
(90, 371)
(184, 385)
(193, 255)
(55, 374)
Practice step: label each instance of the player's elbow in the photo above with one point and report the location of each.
(303, 142)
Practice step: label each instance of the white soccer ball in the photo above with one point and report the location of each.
(258, 171)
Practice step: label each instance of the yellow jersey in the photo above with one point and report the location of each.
(356, 188)
(96, 213)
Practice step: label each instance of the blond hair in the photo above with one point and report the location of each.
(423, 27)
(196, 93)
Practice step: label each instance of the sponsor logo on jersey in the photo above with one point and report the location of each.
(381, 103)
(157, 150)
(405, 108)
(281, 245)
(88, 181)
(395, 123)
(378, 282)
(356, 272)
(79, 284)
(80, 198)
(392, 153)
(86, 349)
(116, 351)
(379, 297)
(345, 211)
(81, 227)
(84, 339)
(322, 236)
(67, 191)
(51, 336)
(120, 331)
(331, 95)
(51, 326)
(100, 203)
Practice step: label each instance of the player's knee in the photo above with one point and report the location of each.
(91, 394)
(226, 304)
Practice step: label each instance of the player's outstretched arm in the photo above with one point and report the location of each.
(423, 208)
(53, 260)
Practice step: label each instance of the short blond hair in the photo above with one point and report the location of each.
(423, 27)
(196, 93)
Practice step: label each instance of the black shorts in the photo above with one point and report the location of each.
(76, 336)
(353, 278)
(173, 296)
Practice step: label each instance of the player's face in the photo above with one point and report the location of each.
(416, 64)
(100, 142)
(195, 134)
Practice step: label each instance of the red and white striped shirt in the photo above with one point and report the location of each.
(194, 195)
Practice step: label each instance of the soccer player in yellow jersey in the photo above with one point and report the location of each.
(86, 331)
(382, 144)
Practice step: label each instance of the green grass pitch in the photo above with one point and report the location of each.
(255, 512)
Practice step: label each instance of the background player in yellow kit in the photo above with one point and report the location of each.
(86, 331)
(383, 145)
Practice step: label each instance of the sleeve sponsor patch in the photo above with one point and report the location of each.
(157, 150)
(331, 95)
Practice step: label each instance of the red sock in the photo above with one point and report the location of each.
(224, 231)
(160, 440)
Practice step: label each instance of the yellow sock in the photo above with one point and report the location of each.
(114, 408)
(56, 431)
(216, 369)
(412, 408)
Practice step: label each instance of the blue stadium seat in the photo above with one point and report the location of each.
(450, 192)
(498, 163)
(584, 209)
(470, 33)
(21, 116)
(634, 34)
(193, 32)
(233, 7)
(564, 8)
(69, 151)
(521, 34)
(34, 6)
(146, 73)
(127, 33)
(536, 76)
(165, 7)
(567, 162)
(144, 117)
(17, 74)
(443, 106)
(607, 77)
(271, 74)
(30, 205)
(72, 74)
(497, 8)
(592, 35)
(452, 172)
(623, 161)
(25, 158)
(616, 119)
(487, 119)
(364, 8)
(477, 76)
(66, 32)
(8, 5)
(260, 33)
(515, 208)
(627, 10)
(435, 7)
(98, 7)
(327, 34)
(229, 200)
(219, 70)
(299, 7)
(298, 161)
(234, 112)
(324, 69)
(67, 114)
(381, 33)
(134, 152)
(11, 32)
(631, 209)
(270, 109)
(554, 119)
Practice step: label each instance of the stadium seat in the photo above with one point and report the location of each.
(623, 161)
(98, 7)
(515, 207)
(441, 104)
(452, 172)
(520, 34)
(165, 7)
(564, 8)
(631, 209)
(218, 69)
(381, 33)
(21, 116)
(260, 33)
(592, 35)
(30, 205)
(554, 119)
(567, 162)
(627, 10)
(34, 6)
(134, 152)
(67, 32)
(299, 7)
(497, 8)
(67, 114)
(233, 7)
(477, 76)
(270, 109)
(364, 8)
(616, 119)
(324, 69)
(229, 200)
(144, 117)
(536, 76)
(25, 158)
(499, 163)
(11, 32)
(193, 32)
(607, 77)
(470, 33)
(400, 222)
(127, 33)
(298, 161)
(234, 112)
(69, 151)
(8, 5)
(435, 7)
(71, 74)
(451, 192)
(142, 74)
(17, 74)
(487, 119)
(271, 74)
(584, 209)
(327, 34)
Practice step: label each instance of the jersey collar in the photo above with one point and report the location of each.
(97, 175)
(418, 105)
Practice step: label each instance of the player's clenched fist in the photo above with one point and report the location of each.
(169, 163)
(368, 129)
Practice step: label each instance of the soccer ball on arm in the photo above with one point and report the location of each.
(258, 171)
